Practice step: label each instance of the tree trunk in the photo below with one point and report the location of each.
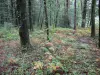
(12, 11)
(67, 6)
(18, 13)
(99, 22)
(93, 18)
(89, 18)
(30, 15)
(57, 12)
(67, 14)
(75, 15)
(23, 30)
(81, 4)
(50, 13)
(84, 14)
(46, 19)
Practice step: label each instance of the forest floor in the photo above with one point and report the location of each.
(69, 50)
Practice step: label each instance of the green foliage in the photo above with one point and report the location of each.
(9, 34)
(52, 31)
(45, 49)
(71, 40)
(39, 72)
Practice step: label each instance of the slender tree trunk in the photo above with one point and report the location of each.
(18, 13)
(67, 14)
(57, 12)
(84, 14)
(40, 11)
(46, 19)
(12, 11)
(23, 30)
(75, 15)
(30, 15)
(39, 15)
(89, 18)
(93, 18)
(81, 4)
(50, 12)
(67, 6)
(42, 19)
(81, 7)
(99, 22)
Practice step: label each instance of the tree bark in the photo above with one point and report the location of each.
(57, 12)
(23, 30)
(81, 4)
(84, 14)
(12, 11)
(99, 22)
(67, 6)
(67, 14)
(46, 19)
(93, 18)
(40, 15)
(75, 15)
(50, 13)
(30, 15)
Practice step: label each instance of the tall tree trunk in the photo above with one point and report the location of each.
(12, 11)
(99, 22)
(81, 4)
(75, 15)
(23, 30)
(30, 15)
(89, 18)
(57, 12)
(50, 12)
(38, 19)
(93, 18)
(18, 13)
(67, 6)
(67, 14)
(39, 15)
(84, 14)
(42, 19)
(46, 19)
(41, 23)
(81, 1)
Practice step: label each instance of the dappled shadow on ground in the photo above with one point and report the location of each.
(70, 50)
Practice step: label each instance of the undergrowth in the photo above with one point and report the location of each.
(65, 52)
